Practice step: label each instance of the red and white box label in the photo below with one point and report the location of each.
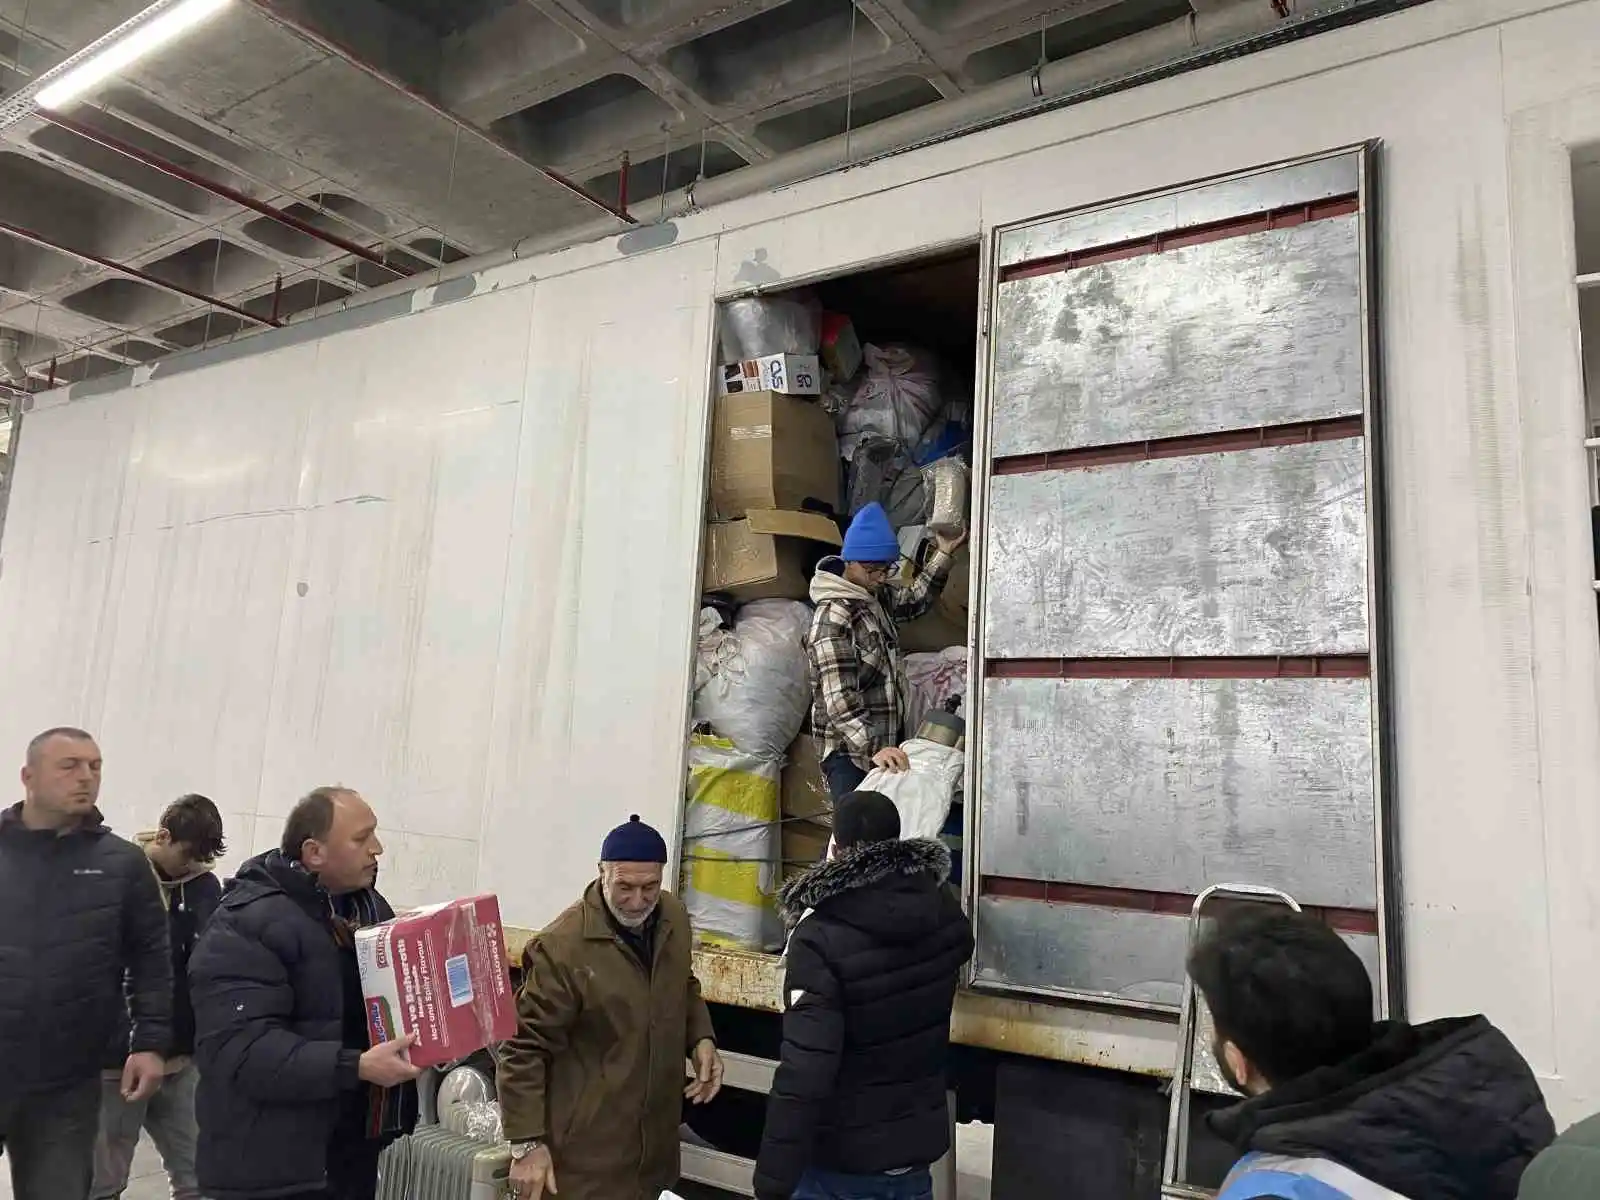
(440, 973)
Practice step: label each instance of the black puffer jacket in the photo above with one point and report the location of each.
(869, 983)
(277, 1071)
(1443, 1111)
(76, 911)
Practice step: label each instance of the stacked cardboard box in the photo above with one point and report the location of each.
(774, 472)
(807, 807)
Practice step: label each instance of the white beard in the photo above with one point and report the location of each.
(629, 923)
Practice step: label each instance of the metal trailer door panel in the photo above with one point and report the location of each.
(1244, 553)
(1259, 329)
(1180, 630)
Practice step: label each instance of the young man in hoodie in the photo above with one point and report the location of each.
(1340, 1108)
(858, 1109)
(858, 685)
(181, 851)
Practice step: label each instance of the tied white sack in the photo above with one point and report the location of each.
(923, 794)
(751, 684)
(899, 397)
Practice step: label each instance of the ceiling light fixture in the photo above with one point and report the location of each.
(146, 33)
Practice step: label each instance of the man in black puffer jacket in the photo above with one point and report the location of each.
(79, 908)
(858, 1109)
(291, 1102)
(1344, 1109)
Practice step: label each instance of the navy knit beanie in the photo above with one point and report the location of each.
(870, 538)
(633, 842)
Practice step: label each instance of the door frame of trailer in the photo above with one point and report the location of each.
(1391, 992)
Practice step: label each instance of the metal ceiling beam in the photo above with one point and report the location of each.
(132, 272)
(220, 189)
(271, 10)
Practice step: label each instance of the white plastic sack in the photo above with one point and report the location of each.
(751, 684)
(730, 845)
(947, 488)
(756, 326)
(898, 398)
(934, 679)
(924, 793)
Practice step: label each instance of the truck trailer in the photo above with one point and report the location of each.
(1282, 561)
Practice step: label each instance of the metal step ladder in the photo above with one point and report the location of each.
(1192, 1017)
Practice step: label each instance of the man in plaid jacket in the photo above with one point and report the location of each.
(858, 686)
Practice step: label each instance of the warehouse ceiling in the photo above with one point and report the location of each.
(422, 131)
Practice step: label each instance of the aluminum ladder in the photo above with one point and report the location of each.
(1175, 1165)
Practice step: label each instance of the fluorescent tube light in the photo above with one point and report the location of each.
(144, 38)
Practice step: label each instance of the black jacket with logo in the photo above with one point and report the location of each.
(78, 911)
(869, 982)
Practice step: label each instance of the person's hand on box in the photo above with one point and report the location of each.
(386, 1064)
(707, 1081)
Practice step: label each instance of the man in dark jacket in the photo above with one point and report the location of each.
(291, 1101)
(1340, 1107)
(181, 852)
(79, 912)
(858, 1109)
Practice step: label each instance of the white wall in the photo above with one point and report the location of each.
(134, 599)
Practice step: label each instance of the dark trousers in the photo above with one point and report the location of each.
(352, 1171)
(834, 1185)
(48, 1138)
(842, 774)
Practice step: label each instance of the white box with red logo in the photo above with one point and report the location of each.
(440, 973)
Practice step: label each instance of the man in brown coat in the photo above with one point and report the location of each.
(592, 1087)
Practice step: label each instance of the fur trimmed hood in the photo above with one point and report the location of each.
(915, 866)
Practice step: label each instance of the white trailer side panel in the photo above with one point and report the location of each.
(200, 652)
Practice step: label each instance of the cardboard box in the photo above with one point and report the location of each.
(791, 374)
(804, 844)
(770, 451)
(440, 973)
(768, 555)
(804, 788)
(945, 624)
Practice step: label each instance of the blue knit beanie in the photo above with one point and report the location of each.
(633, 842)
(870, 538)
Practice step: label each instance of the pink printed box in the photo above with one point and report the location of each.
(440, 973)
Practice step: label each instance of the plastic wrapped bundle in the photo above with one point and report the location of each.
(730, 869)
(757, 326)
(899, 397)
(947, 491)
(936, 679)
(751, 684)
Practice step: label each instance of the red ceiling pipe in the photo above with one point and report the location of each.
(38, 239)
(271, 9)
(216, 188)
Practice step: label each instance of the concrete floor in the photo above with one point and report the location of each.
(974, 1156)
(148, 1182)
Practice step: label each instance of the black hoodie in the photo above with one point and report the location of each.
(1443, 1111)
(869, 982)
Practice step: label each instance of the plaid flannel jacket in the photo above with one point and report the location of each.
(853, 649)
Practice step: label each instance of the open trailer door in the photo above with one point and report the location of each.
(1180, 619)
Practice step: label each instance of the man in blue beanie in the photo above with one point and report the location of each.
(858, 686)
(609, 1012)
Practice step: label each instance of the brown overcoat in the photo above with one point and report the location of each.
(597, 1068)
